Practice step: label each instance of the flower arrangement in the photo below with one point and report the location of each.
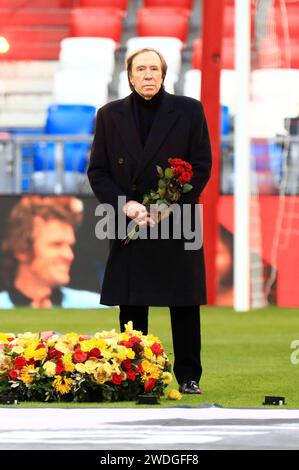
(106, 367)
(172, 183)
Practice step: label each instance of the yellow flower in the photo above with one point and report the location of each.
(148, 353)
(30, 350)
(166, 378)
(130, 354)
(146, 365)
(129, 328)
(124, 337)
(150, 339)
(62, 347)
(26, 339)
(52, 341)
(160, 360)
(5, 363)
(120, 353)
(17, 349)
(90, 366)
(174, 395)
(40, 354)
(27, 374)
(4, 336)
(150, 370)
(50, 368)
(80, 368)
(71, 338)
(92, 343)
(62, 385)
(68, 362)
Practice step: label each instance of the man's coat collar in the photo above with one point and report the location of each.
(125, 123)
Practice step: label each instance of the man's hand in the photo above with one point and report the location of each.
(137, 212)
(161, 212)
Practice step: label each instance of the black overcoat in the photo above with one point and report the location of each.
(155, 272)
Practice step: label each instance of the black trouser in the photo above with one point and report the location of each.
(185, 325)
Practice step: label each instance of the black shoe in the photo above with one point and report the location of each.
(190, 387)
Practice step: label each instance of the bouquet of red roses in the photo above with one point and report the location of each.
(172, 183)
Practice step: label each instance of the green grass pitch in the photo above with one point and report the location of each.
(245, 356)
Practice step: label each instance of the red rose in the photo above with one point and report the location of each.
(94, 352)
(127, 344)
(135, 339)
(40, 346)
(137, 348)
(175, 162)
(139, 368)
(185, 177)
(131, 375)
(13, 374)
(59, 367)
(126, 364)
(176, 172)
(19, 362)
(117, 379)
(157, 349)
(54, 353)
(79, 355)
(187, 166)
(149, 385)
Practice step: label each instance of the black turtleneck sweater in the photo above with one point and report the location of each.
(145, 111)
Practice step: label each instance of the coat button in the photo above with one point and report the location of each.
(134, 187)
(121, 161)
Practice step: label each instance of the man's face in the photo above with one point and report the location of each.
(52, 252)
(146, 74)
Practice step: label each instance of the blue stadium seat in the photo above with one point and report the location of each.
(65, 120)
(225, 120)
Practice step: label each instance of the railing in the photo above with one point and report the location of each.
(275, 165)
(17, 164)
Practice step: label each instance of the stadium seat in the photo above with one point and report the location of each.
(188, 4)
(228, 89)
(192, 84)
(97, 22)
(81, 87)
(285, 21)
(170, 47)
(120, 4)
(173, 22)
(229, 21)
(227, 58)
(124, 89)
(283, 84)
(274, 52)
(33, 3)
(95, 55)
(265, 119)
(63, 119)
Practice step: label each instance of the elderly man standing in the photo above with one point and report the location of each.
(134, 135)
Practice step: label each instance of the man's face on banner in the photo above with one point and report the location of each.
(53, 255)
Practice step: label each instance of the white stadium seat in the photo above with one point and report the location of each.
(88, 54)
(192, 83)
(79, 88)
